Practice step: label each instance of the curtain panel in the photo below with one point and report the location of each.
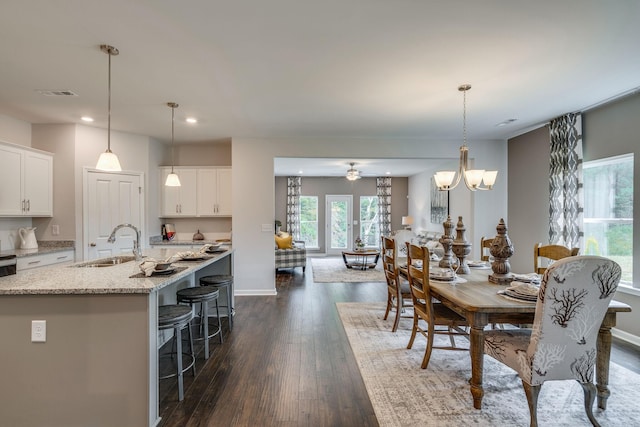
(566, 200)
(294, 186)
(383, 188)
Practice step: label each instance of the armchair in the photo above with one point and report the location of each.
(292, 257)
(572, 302)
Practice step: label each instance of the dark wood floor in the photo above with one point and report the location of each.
(287, 362)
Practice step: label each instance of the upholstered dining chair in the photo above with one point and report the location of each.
(485, 244)
(433, 313)
(550, 252)
(398, 292)
(574, 296)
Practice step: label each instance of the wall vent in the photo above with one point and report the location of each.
(56, 92)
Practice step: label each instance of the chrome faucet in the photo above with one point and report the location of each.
(137, 251)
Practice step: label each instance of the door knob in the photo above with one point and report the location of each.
(92, 244)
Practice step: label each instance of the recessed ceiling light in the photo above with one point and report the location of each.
(191, 120)
(388, 173)
(86, 119)
(506, 122)
(300, 172)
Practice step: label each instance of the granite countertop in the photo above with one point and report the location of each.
(182, 242)
(44, 247)
(71, 279)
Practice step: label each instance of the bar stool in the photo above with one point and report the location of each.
(222, 281)
(177, 317)
(203, 295)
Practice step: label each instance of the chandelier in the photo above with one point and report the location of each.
(353, 174)
(473, 178)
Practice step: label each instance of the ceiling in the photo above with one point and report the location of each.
(320, 69)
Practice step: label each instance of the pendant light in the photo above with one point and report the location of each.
(172, 179)
(473, 178)
(108, 161)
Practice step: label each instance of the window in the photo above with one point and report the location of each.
(608, 211)
(309, 220)
(369, 229)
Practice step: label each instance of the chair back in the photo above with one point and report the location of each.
(574, 296)
(550, 252)
(485, 245)
(389, 261)
(418, 273)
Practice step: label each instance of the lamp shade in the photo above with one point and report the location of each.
(407, 220)
(108, 162)
(172, 180)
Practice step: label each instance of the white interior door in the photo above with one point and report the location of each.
(111, 199)
(339, 232)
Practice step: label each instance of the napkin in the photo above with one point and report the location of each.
(524, 288)
(529, 277)
(148, 266)
(184, 254)
(207, 247)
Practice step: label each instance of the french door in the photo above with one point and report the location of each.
(339, 232)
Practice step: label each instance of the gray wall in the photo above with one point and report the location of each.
(609, 130)
(323, 186)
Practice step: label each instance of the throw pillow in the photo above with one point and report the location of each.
(284, 242)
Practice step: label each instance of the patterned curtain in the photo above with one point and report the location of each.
(383, 186)
(294, 185)
(565, 181)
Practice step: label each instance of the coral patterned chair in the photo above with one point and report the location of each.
(574, 296)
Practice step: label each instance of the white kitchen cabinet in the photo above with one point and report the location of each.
(35, 261)
(179, 201)
(204, 192)
(26, 182)
(214, 192)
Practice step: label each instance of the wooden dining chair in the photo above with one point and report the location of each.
(485, 244)
(574, 297)
(432, 312)
(550, 252)
(398, 292)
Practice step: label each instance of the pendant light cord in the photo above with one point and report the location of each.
(109, 108)
(173, 110)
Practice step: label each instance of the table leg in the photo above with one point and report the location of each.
(603, 346)
(344, 258)
(476, 350)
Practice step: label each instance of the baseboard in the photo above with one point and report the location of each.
(255, 292)
(626, 336)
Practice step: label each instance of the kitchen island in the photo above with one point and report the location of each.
(99, 364)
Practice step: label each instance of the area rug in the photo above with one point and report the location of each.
(333, 270)
(402, 394)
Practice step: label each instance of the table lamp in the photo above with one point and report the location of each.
(407, 222)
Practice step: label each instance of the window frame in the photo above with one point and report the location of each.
(625, 285)
(308, 245)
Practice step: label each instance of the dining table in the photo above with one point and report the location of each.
(478, 301)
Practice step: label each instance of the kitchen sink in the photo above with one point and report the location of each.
(106, 262)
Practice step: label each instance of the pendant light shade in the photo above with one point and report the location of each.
(108, 161)
(172, 179)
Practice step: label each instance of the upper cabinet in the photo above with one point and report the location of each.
(26, 182)
(179, 201)
(204, 191)
(214, 192)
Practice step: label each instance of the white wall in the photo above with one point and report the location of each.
(254, 204)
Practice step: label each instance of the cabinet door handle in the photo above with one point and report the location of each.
(34, 262)
(63, 257)
(28, 205)
(23, 205)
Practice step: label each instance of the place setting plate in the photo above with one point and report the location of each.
(479, 265)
